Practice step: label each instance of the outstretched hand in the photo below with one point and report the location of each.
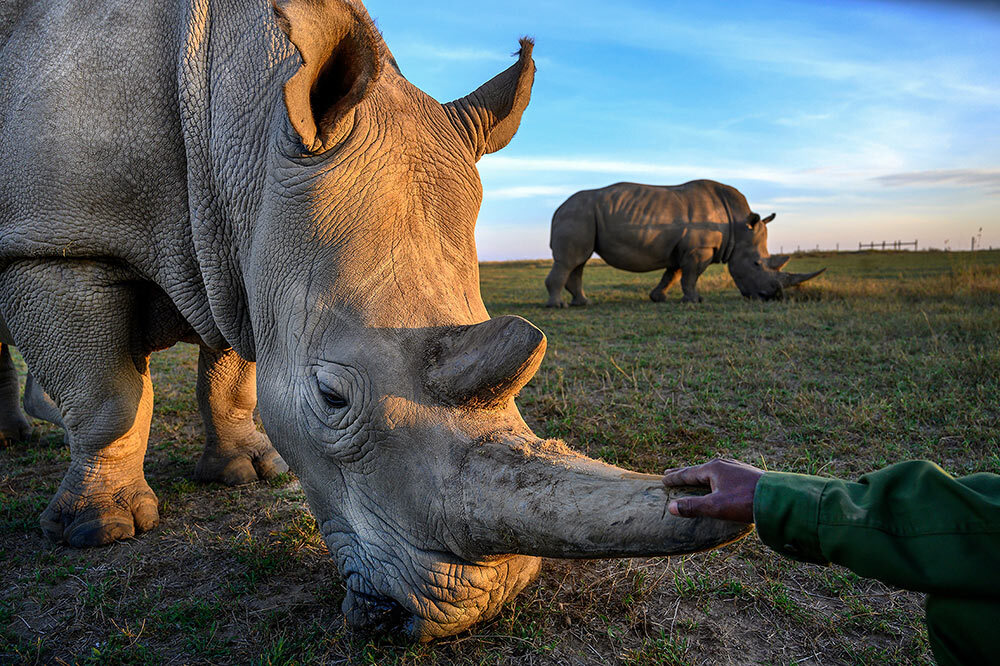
(732, 483)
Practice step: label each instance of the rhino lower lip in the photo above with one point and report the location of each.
(381, 614)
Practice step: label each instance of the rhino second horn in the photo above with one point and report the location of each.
(792, 279)
(484, 365)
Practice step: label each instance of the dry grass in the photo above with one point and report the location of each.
(886, 356)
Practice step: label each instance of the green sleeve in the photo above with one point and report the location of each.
(911, 525)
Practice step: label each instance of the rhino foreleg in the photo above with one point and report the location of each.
(38, 404)
(692, 266)
(235, 451)
(13, 426)
(86, 352)
(670, 277)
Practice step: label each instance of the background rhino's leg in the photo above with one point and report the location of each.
(555, 282)
(76, 318)
(574, 284)
(13, 426)
(38, 404)
(235, 451)
(693, 265)
(670, 277)
(574, 235)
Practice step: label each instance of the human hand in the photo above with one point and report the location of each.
(732, 483)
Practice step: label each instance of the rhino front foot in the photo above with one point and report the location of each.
(236, 466)
(658, 296)
(97, 516)
(15, 428)
(556, 304)
(580, 302)
(692, 299)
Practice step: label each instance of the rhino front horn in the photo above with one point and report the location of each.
(792, 279)
(484, 365)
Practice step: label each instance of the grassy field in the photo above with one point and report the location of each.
(887, 356)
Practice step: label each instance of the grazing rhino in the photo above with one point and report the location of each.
(682, 228)
(263, 181)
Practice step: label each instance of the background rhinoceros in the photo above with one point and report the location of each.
(682, 228)
(264, 182)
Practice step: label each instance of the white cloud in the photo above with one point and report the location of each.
(621, 167)
(529, 191)
(464, 54)
(988, 179)
(816, 177)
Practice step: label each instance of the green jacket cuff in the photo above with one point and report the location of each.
(786, 510)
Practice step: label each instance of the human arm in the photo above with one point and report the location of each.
(911, 524)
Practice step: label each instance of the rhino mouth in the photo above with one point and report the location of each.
(374, 613)
(421, 594)
(776, 295)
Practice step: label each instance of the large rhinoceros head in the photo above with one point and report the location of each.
(756, 273)
(381, 379)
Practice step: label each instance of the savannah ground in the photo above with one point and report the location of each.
(887, 356)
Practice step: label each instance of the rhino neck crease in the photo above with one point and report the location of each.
(725, 252)
(226, 102)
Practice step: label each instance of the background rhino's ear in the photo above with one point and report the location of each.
(769, 218)
(341, 57)
(489, 117)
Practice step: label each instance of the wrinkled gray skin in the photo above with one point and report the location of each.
(265, 183)
(680, 228)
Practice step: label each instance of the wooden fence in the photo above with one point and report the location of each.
(888, 245)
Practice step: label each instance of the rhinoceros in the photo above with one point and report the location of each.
(680, 228)
(261, 180)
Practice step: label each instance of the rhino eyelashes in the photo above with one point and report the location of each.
(333, 399)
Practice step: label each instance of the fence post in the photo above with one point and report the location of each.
(973, 243)
(883, 245)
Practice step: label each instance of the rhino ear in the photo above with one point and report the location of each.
(489, 117)
(752, 220)
(769, 218)
(341, 57)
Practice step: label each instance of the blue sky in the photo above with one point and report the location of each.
(853, 121)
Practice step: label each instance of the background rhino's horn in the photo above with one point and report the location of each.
(792, 279)
(778, 261)
(486, 364)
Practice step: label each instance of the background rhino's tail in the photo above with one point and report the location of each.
(573, 234)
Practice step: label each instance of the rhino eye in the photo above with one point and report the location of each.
(333, 399)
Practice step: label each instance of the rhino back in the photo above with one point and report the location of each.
(92, 161)
(649, 227)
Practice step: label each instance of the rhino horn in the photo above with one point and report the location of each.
(769, 218)
(777, 261)
(792, 279)
(542, 499)
(486, 364)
